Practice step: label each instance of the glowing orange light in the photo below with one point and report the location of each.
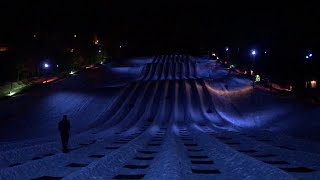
(4, 49)
(313, 84)
(95, 39)
(50, 80)
(236, 92)
(280, 88)
(89, 67)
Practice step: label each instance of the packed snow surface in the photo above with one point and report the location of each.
(163, 117)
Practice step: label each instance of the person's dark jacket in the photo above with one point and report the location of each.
(64, 126)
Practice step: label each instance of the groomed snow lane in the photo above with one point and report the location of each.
(168, 117)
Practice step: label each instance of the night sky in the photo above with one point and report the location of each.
(166, 22)
(287, 30)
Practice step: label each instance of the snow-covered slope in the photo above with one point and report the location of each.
(166, 117)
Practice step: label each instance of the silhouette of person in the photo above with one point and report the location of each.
(64, 128)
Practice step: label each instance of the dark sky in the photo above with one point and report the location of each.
(185, 22)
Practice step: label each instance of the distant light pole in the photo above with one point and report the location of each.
(11, 92)
(227, 50)
(309, 64)
(120, 50)
(46, 66)
(253, 54)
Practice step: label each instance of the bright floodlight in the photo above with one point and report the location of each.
(46, 65)
(253, 52)
(11, 93)
(227, 49)
(99, 50)
(307, 57)
(310, 55)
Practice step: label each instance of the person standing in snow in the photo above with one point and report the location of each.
(64, 128)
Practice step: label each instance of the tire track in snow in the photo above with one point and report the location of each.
(138, 104)
(145, 112)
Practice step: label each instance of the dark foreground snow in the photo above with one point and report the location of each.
(167, 117)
